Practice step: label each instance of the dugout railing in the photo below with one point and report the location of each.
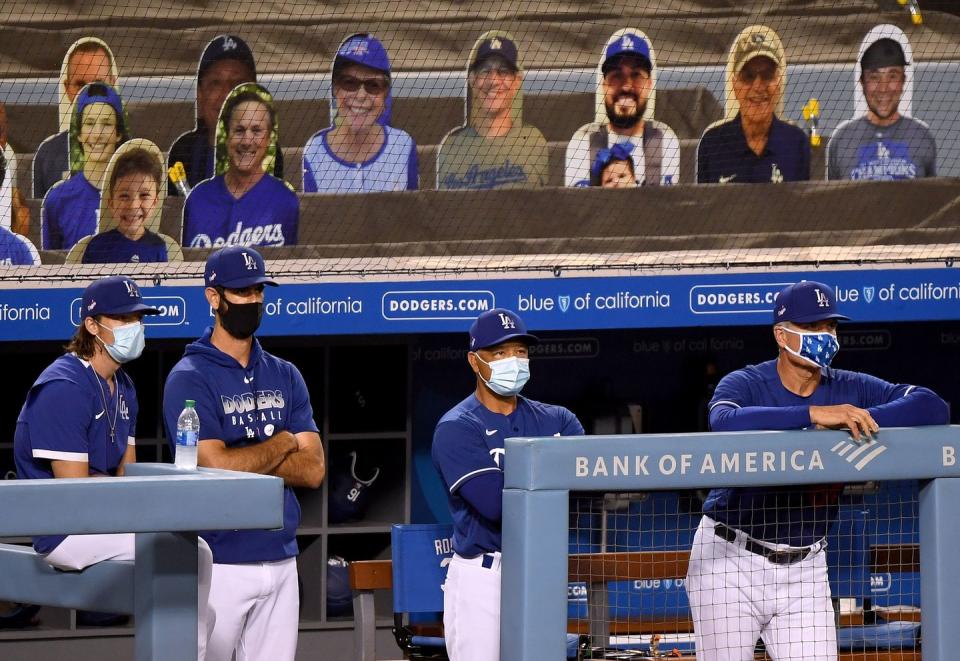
(542, 472)
(164, 506)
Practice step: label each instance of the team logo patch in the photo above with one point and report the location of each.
(822, 299)
(627, 43)
(495, 44)
(506, 322)
(229, 44)
(249, 262)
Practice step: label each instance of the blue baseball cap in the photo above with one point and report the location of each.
(496, 326)
(99, 92)
(363, 49)
(805, 302)
(226, 47)
(501, 47)
(236, 267)
(116, 294)
(628, 45)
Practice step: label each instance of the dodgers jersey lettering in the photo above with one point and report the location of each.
(242, 406)
(859, 150)
(70, 212)
(468, 442)
(754, 398)
(467, 160)
(64, 418)
(393, 168)
(266, 215)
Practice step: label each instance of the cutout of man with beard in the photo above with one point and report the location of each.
(625, 103)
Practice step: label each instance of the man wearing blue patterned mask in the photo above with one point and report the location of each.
(758, 567)
(469, 455)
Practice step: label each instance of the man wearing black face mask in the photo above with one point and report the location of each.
(255, 416)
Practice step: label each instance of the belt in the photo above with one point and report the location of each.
(787, 557)
(485, 560)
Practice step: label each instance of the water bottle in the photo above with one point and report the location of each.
(188, 434)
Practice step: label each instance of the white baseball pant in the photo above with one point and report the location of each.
(257, 609)
(738, 596)
(471, 608)
(78, 552)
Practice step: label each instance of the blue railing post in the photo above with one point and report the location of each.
(939, 587)
(538, 581)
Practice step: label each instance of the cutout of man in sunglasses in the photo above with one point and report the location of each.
(494, 149)
(754, 146)
(360, 152)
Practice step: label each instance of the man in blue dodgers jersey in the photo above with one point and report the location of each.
(360, 152)
(468, 453)
(255, 416)
(758, 567)
(79, 420)
(243, 205)
(883, 141)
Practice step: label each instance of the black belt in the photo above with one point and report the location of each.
(776, 557)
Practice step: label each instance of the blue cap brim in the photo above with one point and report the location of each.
(810, 318)
(125, 309)
(240, 283)
(531, 339)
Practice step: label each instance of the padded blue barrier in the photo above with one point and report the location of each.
(893, 519)
(848, 554)
(886, 636)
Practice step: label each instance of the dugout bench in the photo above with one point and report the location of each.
(165, 507)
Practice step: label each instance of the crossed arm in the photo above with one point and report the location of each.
(297, 458)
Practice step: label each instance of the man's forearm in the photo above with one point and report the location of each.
(261, 458)
(303, 468)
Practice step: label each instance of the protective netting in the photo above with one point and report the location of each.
(365, 109)
(632, 578)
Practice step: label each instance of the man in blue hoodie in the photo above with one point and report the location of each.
(255, 416)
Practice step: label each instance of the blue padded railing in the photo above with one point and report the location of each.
(165, 507)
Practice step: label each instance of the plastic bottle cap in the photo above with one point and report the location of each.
(191, 404)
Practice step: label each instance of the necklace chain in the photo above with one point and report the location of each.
(116, 411)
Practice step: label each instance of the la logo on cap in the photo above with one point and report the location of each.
(229, 43)
(495, 44)
(360, 48)
(132, 291)
(506, 322)
(822, 299)
(627, 43)
(758, 38)
(249, 262)
(92, 305)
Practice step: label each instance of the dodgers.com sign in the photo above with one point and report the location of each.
(576, 304)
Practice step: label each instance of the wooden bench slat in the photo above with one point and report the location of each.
(371, 575)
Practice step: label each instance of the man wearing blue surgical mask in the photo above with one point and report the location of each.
(758, 567)
(79, 421)
(469, 455)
